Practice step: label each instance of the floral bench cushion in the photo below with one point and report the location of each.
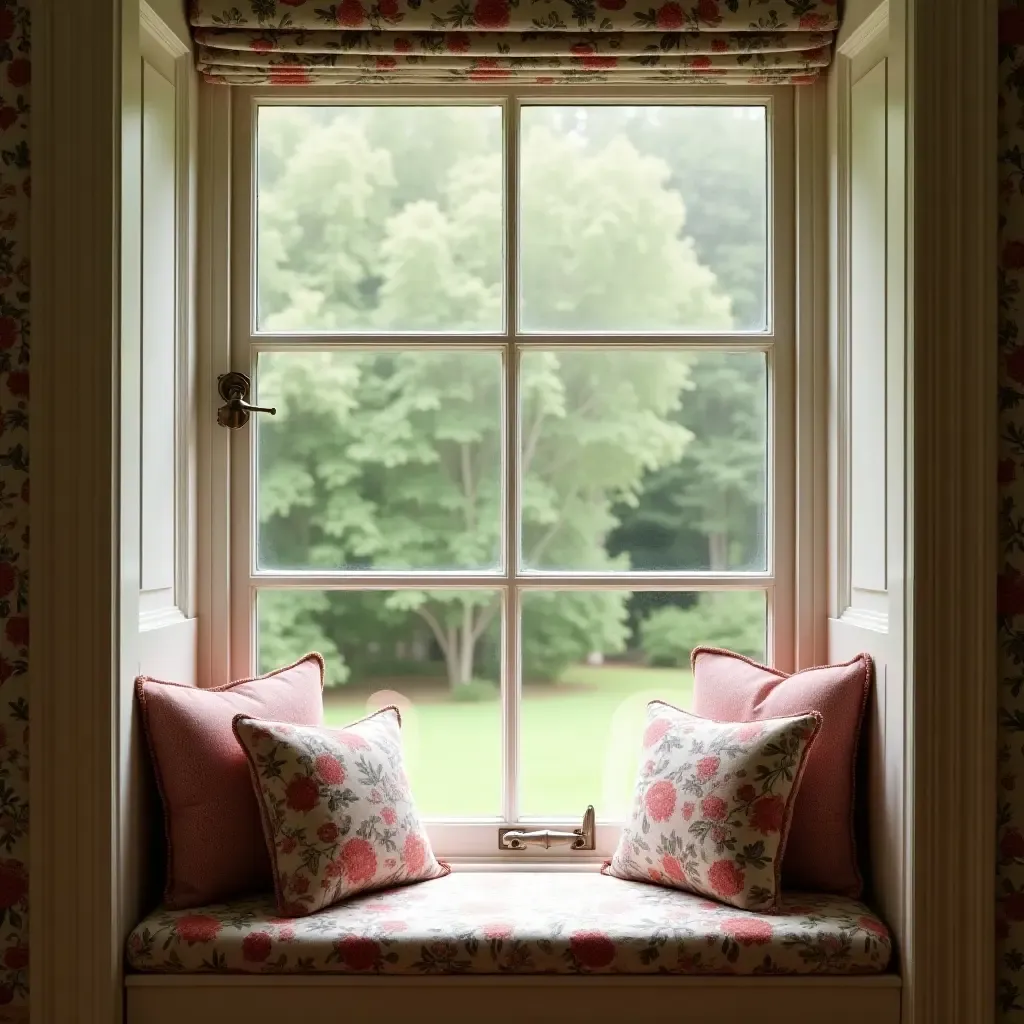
(529, 923)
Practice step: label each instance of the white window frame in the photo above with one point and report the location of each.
(794, 578)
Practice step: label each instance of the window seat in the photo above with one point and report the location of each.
(480, 923)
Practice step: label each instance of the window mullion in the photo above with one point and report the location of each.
(510, 681)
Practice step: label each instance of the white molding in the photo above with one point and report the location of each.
(160, 617)
(811, 385)
(866, 33)
(864, 618)
(213, 540)
(78, 668)
(150, 21)
(948, 954)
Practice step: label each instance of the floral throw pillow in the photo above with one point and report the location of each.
(337, 811)
(713, 805)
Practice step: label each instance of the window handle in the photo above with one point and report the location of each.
(234, 389)
(578, 839)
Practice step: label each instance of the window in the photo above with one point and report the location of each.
(532, 366)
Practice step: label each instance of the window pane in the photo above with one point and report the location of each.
(434, 654)
(379, 460)
(379, 218)
(591, 660)
(643, 460)
(643, 218)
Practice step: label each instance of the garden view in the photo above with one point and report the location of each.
(632, 220)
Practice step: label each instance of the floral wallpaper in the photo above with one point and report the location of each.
(1010, 870)
(15, 189)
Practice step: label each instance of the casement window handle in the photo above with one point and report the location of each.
(578, 839)
(234, 389)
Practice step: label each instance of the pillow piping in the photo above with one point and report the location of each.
(869, 675)
(140, 695)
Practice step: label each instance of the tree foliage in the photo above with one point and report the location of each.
(377, 219)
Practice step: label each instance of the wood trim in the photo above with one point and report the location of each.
(76, 664)
(951, 56)
(504, 1000)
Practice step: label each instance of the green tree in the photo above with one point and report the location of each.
(392, 459)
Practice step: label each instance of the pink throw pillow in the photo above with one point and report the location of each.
(822, 851)
(338, 814)
(713, 805)
(215, 846)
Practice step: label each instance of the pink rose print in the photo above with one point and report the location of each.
(193, 928)
(714, 808)
(688, 809)
(329, 770)
(16, 958)
(726, 879)
(497, 930)
(457, 42)
(767, 814)
(673, 868)
(415, 853)
(592, 950)
(707, 11)
(352, 740)
(300, 884)
(876, 928)
(669, 17)
(287, 844)
(357, 953)
(491, 14)
(256, 947)
(748, 931)
(746, 733)
(719, 834)
(388, 9)
(327, 832)
(655, 731)
(350, 13)
(302, 794)
(660, 800)
(654, 874)
(387, 815)
(707, 767)
(1011, 846)
(359, 862)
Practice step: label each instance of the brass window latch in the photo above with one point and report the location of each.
(578, 839)
(234, 389)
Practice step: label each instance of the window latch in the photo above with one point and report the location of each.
(234, 389)
(578, 839)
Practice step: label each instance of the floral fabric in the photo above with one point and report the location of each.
(713, 804)
(529, 923)
(297, 42)
(337, 811)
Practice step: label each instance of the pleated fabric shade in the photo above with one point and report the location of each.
(309, 42)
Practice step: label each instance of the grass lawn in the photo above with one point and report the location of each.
(580, 740)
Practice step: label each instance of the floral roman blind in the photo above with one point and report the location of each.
(311, 42)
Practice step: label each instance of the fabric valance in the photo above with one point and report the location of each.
(309, 42)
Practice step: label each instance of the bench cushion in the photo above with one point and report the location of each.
(518, 923)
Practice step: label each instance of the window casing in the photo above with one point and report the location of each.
(474, 839)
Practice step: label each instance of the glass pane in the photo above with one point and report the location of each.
(643, 218)
(433, 654)
(379, 460)
(591, 660)
(643, 460)
(379, 218)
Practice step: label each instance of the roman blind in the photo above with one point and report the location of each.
(311, 42)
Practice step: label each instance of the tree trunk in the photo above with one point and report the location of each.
(718, 550)
(467, 645)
